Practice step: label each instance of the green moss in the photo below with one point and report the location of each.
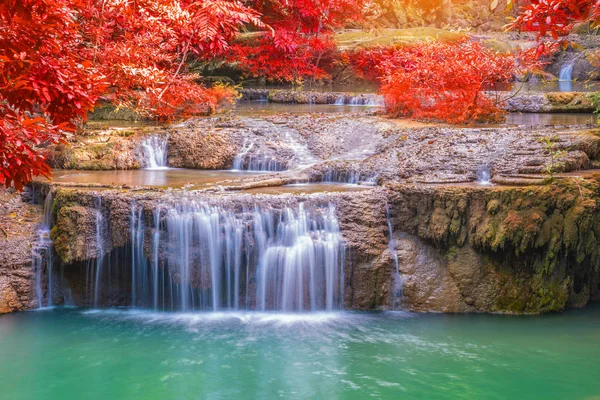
(532, 240)
(493, 207)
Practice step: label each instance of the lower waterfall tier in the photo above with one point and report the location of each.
(411, 247)
(196, 256)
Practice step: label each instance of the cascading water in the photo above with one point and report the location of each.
(195, 256)
(154, 152)
(566, 72)
(42, 250)
(255, 162)
(238, 161)
(370, 100)
(264, 163)
(301, 264)
(398, 282)
(99, 261)
(484, 175)
(352, 177)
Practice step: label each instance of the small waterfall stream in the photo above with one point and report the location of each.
(398, 282)
(246, 161)
(351, 176)
(154, 152)
(41, 256)
(484, 175)
(98, 262)
(370, 100)
(192, 256)
(566, 72)
(238, 161)
(565, 78)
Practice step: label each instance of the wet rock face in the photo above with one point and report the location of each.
(583, 69)
(360, 148)
(102, 148)
(18, 223)
(505, 250)
(441, 154)
(550, 102)
(460, 249)
(203, 145)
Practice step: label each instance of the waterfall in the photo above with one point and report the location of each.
(484, 175)
(566, 72)
(255, 162)
(335, 176)
(154, 152)
(195, 256)
(42, 250)
(239, 160)
(353, 177)
(300, 267)
(398, 282)
(99, 243)
(368, 99)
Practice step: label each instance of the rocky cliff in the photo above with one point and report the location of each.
(18, 225)
(460, 248)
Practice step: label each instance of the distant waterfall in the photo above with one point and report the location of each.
(566, 72)
(41, 256)
(154, 152)
(372, 100)
(195, 256)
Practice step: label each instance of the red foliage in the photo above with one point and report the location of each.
(556, 17)
(308, 16)
(41, 73)
(439, 81)
(286, 57)
(301, 45)
(142, 47)
(58, 56)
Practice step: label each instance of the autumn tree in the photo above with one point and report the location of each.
(142, 47)
(438, 80)
(57, 57)
(45, 84)
(301, 45)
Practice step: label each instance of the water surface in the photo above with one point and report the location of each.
(124, 354)
(172, 177)
(253, 108)
(563, 119)
(308, 188)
